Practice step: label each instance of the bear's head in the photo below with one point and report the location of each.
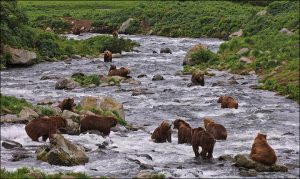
(165, 126)
(208, 121)
(178, 122)
(112, 67)
(261, 136)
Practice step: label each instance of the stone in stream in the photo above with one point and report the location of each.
(20, 154)
(165, 50)
(9, 144)
(157, 77)
(28, 114)
(62, 152)
(20, 56)
(187, 59)
(66, 83)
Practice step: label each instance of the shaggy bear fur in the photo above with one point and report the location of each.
(217, 130)
(228, 102)
(107, 56)
(261, 151)
(123, 72)
(184, 131)
(115, 34)
(44, 127)
(198, 78)
(162, 133)
(205, 140)
(67, 104)
(102, 124)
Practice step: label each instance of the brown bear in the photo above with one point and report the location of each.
(261, 151)
(162, 133)
(45, 127)
(115, 34)
(102, 124)
(123, 72)
(205, 140)
(217, 130)
(107, 56)
(228, 102)
(184, 131)
(67, 104)
(198, 78)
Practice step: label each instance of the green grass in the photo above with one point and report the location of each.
(21, 173)
(87, 80)
(46, 111)
(12, 105)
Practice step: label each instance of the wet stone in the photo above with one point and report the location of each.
(9, 144)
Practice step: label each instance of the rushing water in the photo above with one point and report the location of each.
(259, 111)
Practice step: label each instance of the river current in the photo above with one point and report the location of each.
(259, 111)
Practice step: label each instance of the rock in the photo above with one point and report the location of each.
(246, 60)
(140, 91)
(165, 50)
(131, 81)
(242, 51)
(236, 34)
(262, 13)
(9, 144)
(154, 51)
(142, 75)
(157, 77)
(35, 175)
(46, 101)
(116, 55)
(226, 157)
(48, 29)
(102, 103)
(50, 77)
(73, 128)
(20, 154)
(28, 114)
(233, 82)
(75, 56)
(66, 83)
(286, 31)
(12, 118)
(198, 78)
(187, 57)
(125, 25)
(70, 115)
(249, 173)
(252, 72)
(67, 177)
(146, 174)
(20, 56)
(243, 160)
(62, 152)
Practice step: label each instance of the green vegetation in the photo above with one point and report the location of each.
(24, 173)
(12, 105)
(86, 80)
(46, 111)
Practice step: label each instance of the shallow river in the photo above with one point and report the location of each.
(259, 111)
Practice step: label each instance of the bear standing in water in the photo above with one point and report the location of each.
(228, 102)
(102, 124)
(162, 133)
(44, 127)
(184, 131)
(217, 130)
(261, 151)
(205, 140)
(107, 56)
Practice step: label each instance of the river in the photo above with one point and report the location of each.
(259, 111)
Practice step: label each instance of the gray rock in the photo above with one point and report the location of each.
(245, 59)
(226, 157)
(242, 51)
(125, 25)
(46, 101)
(236, 34)
(66, 83)
(62, 152)
(73, 128)
(248, 173)
(286, 31)
(142, 75)
(165, 50)
(75, 56)
(70, 115)
(12, 118)
(243, 160)
(50, 77)
(187, 57)
(20, 154)
(157, 77)
(20, 56)
(9, 144)
(262, 13)
(28, 114)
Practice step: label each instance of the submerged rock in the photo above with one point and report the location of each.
(20, 154)
(244, 160)
(165, 50)
(66, 83)
(157, 77)
(9, 144)
(62, 152)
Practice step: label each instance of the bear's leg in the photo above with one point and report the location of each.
(169, 139)
(196, 150)
(35, 138)
(223, 105)
(45, 137)
(210, 152)
(203, 153)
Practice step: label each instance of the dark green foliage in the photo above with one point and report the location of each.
(134, 27)
(46, 111)
(86, 80)
(57, 24)
(204, 56)
(119, 118)
(12, 104)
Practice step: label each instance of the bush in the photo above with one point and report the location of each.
(12, 105)
(86, 80)
(204, 56)
(134, 27)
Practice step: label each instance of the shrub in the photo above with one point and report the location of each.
(86, 80)
(204, 56)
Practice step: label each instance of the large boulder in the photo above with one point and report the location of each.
(73, 127)
(20, 56)
(62, 152)
(102, 103)
(125, 25)
(12, 118)
(244, 160)
(66, 83)
(188, 56)
(236, 34)
(28, 114)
